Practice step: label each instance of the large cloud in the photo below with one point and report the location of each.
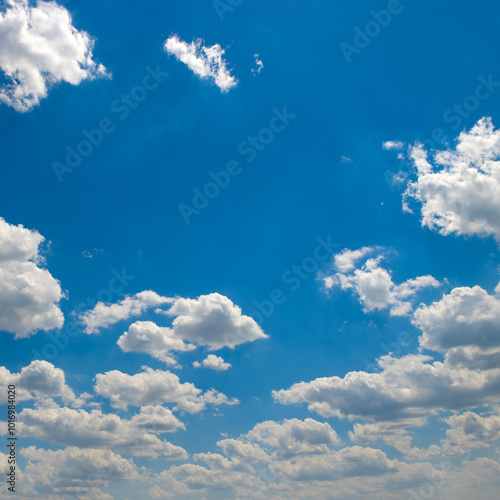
(372, 283)
(40, 379)
(95, 429)
(54, 474)
(40, 47)
(470, 430)
(213, 321)
(465, 325)
(159, 342)
(29, 295)
(406, 388)
(294, 437)
(210, 320)
(154, 387)
(460, 194)
(206, 62)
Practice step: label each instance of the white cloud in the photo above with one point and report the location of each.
(40, 379)
(373, 284)
(154, 387)
(29, 295)
(346, 260)
(296, 459)
(95, 429)
(294, 437)
(206, 62)
(146, 336)
(243, 452)
(213, 362)
(210, 320)
(349, 462)
(105, 315)
(397, 145)
(406, 388)
(461, 193)
(191, 478)
(392, 433)
(464, 324)
(159, 494)
(470, 430)
(39, 47)
(259, 65)
(50, 474)
(213, 321)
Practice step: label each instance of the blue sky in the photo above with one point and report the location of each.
(321, 324)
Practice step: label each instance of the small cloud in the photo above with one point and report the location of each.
(345, 159)
(87, 254)
(206, 62)
(391, 145)
(213, 363)
(259, 64)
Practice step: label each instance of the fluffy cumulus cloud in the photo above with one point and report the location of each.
(349, 462)
(213, 362)
(72, 471)
(155, 387)
(39, 47)
(465, 325)
(471, 430)
(205, 62)
(406, 388)
(294, 437)
(301, 459)
(105, 315)
(159, 342)
(40, 380)
(212, 321)
(29, 295)
(460, 192)
(372, 283)
(95, 429)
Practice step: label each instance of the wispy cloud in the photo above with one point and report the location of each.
(206, 62)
